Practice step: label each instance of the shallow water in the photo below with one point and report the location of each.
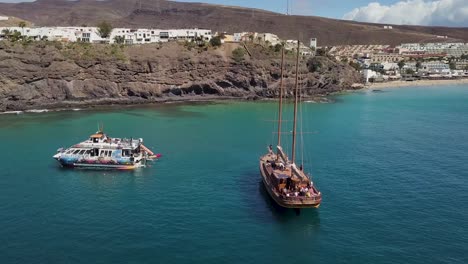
(391, 166)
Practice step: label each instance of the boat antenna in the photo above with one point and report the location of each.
(296, 92)
(280, 108)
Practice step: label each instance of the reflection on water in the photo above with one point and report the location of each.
(105, 178)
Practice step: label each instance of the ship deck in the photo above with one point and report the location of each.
(290, 198)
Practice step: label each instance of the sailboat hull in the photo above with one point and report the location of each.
(287, 202)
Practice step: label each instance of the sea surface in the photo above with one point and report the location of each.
(392, 167)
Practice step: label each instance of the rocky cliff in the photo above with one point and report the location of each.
(51, 74)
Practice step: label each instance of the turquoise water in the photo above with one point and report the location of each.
(392, 168)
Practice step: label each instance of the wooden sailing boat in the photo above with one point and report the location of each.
(287, 184)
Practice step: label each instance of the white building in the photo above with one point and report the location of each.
(430, 47)
(313, 43)
(429, 67)
(390, 66)
(131, 36)
(64, 34)
(270, 38)
(3, 18)
(242, 36)
(368, 74)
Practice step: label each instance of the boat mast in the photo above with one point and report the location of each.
(296, 91)
(280, 110)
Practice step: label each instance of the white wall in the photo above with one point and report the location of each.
(131, 36)
(369, 74)
(313, 43)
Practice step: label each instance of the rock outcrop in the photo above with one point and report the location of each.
(51, 74)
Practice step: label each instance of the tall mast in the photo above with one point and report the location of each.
(280, 110)
(296, 92)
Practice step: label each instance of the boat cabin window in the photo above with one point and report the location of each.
(69, 151)
(105, 153)
(76, 152)
(82, 152)
(126, 153)
(95, 140)
(94, 152)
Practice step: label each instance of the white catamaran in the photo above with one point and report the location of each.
(103, 152)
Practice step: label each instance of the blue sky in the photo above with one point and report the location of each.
(412, 12)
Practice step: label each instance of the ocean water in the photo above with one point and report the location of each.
(392, 167)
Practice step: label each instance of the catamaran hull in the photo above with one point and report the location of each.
(294, 203)
(101, 166)
(97, 165)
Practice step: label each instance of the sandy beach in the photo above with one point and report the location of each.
(392, 84)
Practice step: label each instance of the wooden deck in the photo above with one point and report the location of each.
(267, 172)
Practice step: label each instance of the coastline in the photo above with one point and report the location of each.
(397, 84)
(102, 104)
(134, 102)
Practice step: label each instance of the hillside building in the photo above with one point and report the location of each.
(130, 36)
(272, 39)
(385, 57)
(313, 43)
(429, 67)
(436, 49)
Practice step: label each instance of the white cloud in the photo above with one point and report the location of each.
(414, 12)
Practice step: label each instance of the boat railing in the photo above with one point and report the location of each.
(316, 197)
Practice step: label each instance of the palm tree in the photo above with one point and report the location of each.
(259, 39)
(401, 64)
(418, 66)
(119, 39)
(104, 29)
(15, 36)
(22, 24)
(6, 33)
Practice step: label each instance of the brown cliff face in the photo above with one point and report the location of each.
(48, 74)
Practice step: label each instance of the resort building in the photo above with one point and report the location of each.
(386, 57)
(64, 34)
(461, 65)
(429, 67)
(129, 35)
(434, 49)
(351, 51)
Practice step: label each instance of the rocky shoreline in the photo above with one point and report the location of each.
(50, 75)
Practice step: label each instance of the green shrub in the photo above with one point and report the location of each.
(104, 29)
(238, 54)
(215, 41)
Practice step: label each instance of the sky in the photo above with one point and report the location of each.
(411, 12)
